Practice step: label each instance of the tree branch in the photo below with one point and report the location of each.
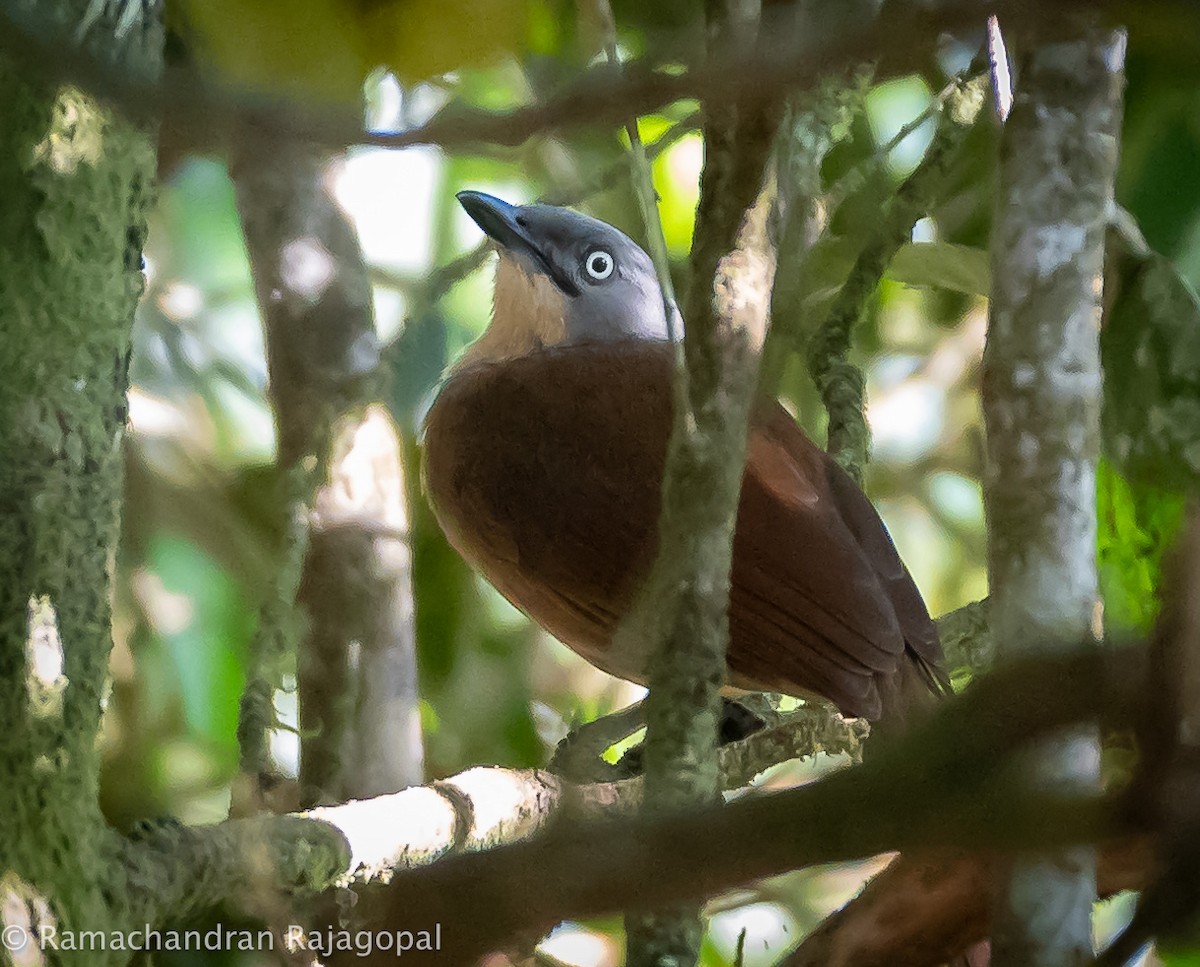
(926, 909)
(189, 869)
(840, 383)
(346, 595)
(682, 609)
(1042, 383)
(894, 41)
(923, 791)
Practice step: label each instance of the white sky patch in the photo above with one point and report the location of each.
(307, 267)
(168, 611)
(907, 421)
(384, 104)
(390, 195)
(45, 651)
(957, 496)
(154, 416)
(236, 329)
(770, 930)
(251, 426)
(390, 309)
(181, 300)
(572, 944)
(422, 102)
(285, 742)
(684, 159)
(925, 230)
(892, 105)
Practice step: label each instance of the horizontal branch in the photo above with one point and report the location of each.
(779, 63)
(922, 792)
(186, 870)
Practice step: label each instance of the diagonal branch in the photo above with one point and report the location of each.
(839, 382)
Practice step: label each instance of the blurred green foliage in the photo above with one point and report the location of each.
(200, 541)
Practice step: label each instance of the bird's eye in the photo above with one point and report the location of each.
(599, 265)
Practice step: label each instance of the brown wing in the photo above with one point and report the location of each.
(546, 474)
(819, 594)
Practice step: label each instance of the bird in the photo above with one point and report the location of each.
(544, 455)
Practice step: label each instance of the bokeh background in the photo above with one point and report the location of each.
(197, 552)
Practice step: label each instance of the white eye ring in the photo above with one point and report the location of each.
(599, 265)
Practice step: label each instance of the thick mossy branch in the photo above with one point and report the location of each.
(1041, 402)
(178, 872)
(966, 638)
(926, 791)
(77, 184)
(683, 608)
(840, 382)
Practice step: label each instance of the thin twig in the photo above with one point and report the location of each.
(857, 176)
(643, 186)
(840, 383)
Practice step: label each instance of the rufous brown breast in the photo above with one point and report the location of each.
(545, 471)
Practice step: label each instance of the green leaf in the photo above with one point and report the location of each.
(943, 265)
(1178, 958)
(1136, 523)
(1151, 349)
(326, 48)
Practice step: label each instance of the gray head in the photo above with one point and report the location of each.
(564, 278)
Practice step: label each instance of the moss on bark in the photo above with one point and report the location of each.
(76, 183)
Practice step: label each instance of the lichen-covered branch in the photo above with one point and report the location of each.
(966, 638)
(840, 382)
(77, 184)
(812, 125)
(1041, 402)
(589, 866)
(902, 800)
(349, 603)
(683, 606)
(184, 871)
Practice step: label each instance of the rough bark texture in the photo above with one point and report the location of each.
(1041, 396)
(914, 794)
(685, 604)
(344, 483)
(76, 184)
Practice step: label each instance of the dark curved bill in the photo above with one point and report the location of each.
(498, 219)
